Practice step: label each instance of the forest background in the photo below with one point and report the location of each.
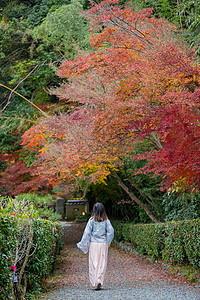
(108, 112)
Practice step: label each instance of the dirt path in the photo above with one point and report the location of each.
(128, 276)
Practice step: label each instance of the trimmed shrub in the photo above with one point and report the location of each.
(41, 205)
(8, 228)
(182, 242)
(176, 242)
(46, 238)
(148, 239)
(46, 246)
(118, 230)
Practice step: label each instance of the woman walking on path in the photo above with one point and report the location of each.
(97, 236)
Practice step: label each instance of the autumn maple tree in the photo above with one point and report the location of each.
(17, 177)
(140, 84)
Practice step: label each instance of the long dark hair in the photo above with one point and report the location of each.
(99, 213)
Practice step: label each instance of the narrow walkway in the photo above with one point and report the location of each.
(128, 276)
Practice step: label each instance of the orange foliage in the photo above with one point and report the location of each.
(137, 74)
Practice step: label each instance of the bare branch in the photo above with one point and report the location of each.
(156, 140)
(24, 99)
(36, 67)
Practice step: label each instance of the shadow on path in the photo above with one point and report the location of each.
(128, 276)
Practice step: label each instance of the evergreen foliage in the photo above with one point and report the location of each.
(175, 242)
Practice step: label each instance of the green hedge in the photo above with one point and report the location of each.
(8, 228)
(176, 242)
(46, 238)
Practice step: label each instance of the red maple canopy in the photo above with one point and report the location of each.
(139, 84)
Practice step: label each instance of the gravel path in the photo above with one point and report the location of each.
(128, 276)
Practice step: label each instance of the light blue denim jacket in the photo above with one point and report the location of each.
(99, 232)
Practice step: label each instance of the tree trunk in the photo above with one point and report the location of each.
(30, 239)
(144, 194)
(134, 198)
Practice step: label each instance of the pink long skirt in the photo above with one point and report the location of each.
(98, 255)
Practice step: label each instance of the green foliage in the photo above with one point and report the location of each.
(13, 121)
(58, 31)
(64, 29)
(41, 205)
(28, 157)
(176, 242)
(144, 186)
(37, 200)
(185, 14)
(33, 35)
(182, 242)
(147, 238)
(169, 206)
(41, 8)
(8, 228)
(181, 206)
(15, 10)
(163, 8)
(47, 238)
(22, 208)
(118, 226)
(8, 141)
(190, 14)
(30, 13)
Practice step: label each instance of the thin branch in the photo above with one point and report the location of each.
(157, 142)
(27, 254)
(33, 250)
(127, 48)
(36, 67)
(24, 99)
